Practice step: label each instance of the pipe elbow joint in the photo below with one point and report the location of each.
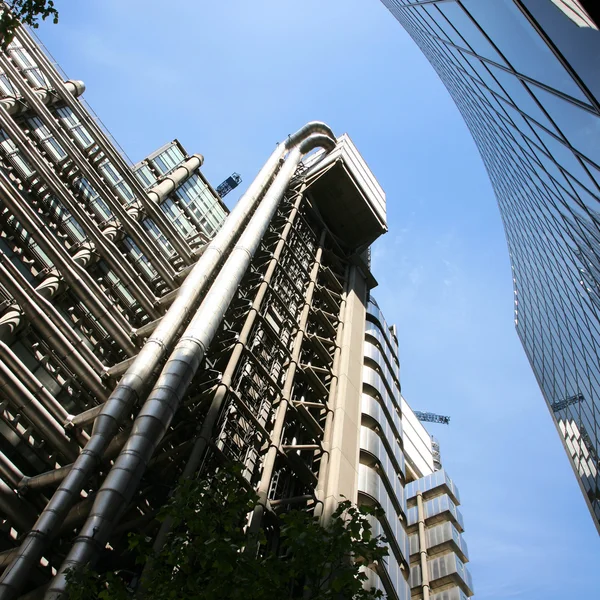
(312, 127)
(200, 157)
(317, 140)
(75, 87)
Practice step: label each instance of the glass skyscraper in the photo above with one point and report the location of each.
(525, 74)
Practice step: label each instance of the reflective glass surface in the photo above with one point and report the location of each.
(525, 75)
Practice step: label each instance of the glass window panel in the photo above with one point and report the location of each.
(576, 39)
(590, 200)
(433, 23)
(522, 46)
(145, 176)
(564, 157)
(579, 126)
(469, 31)
(109, 172)
(6, 87)
(521, 97)
(485, 75)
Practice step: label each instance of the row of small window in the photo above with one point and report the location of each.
(202, 204)
(24, 63)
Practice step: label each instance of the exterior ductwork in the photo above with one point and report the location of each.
(136, 381)
(16, 106)
(59, 335)
(160, 191)
(156, 414)
(104, 143)
(104, 246)
(149, 336)
(74, 276)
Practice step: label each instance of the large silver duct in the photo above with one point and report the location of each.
(15, 105)
(140, 375)
(156, 414)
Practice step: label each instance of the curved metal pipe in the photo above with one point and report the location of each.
(9, 323)
(158, 411)
(139, 376)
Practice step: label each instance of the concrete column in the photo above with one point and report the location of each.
(342, 476)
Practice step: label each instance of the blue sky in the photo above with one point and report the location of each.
(230, 80)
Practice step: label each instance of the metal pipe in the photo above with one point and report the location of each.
(280, 414)
(19, 511)
(18, 286)
(153, 211)
(31, 382)
(423, 546)
(57, 475)
(9, 471)
(145, 243)
(156, 414)
(140, 375)
(16, 105)
(22, 400)
(205, 435)
(173, 180)
(40, 295)
(78, 279)
(103, 244)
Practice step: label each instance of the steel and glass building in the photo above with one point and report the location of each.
(147, 334)
(525, 74)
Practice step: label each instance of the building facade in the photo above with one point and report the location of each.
(147, 334)
(525, 74)
(400, 471)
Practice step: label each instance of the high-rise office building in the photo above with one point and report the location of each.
(148, 334)
(525, 75)
(397, 455)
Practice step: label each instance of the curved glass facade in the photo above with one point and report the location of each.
(525, 74)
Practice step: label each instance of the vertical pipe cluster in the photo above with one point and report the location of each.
(158, 409)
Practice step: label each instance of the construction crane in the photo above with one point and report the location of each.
(432, 417)
(560, 404)
(229, 184)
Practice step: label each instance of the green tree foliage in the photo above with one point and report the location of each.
(23, 11)
(206, 558)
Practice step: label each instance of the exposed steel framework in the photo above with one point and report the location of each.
(144, 337)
